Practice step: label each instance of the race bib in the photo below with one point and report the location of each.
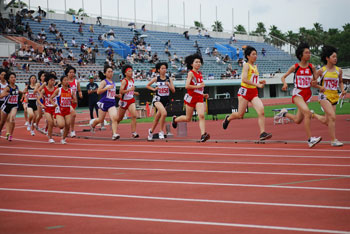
(330, 84)
(303, 81)
(156, 99)
(65, 102)
(100, 105)
(111, 94)
(255, 79)
(122, 103)
(322, 96)
(13, 99)
(188, 98)
(242, 91)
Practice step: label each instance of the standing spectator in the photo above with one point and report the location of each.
(143, 28)
(91, 28)
(93, 97)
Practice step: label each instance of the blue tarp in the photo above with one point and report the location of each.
(119, 47)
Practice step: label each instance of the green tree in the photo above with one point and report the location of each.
(71, 12)
(19, 4)
(240, 29)
(260, 29)
(276, 36)
(217, 26)
(341, 41)
(198, 24)
(292, 38)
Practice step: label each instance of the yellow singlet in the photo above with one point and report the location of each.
(253, 76)
(330, 81)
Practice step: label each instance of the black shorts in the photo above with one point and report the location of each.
(163, 100)
(8, 107)
(32, 104)
(1, 102)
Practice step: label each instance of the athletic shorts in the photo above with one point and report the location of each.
(248, 93)
(104, 106)
(7, 108)
(50, 110)
(191, 101)
(163, 100)
(32, 104)
(74, 105)
(124, 104)
(62, 111)
(306, 94)
(332, 97)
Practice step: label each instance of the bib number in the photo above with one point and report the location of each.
(188, 98)
(242, 91)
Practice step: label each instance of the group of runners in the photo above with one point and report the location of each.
(57, 100)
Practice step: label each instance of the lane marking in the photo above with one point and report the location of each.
(126, 168)
(160, 160)
(182, 161)
(124, 151)
(196, 147)
(176, 182)
(54, 227)
(173, 221)
(316, 180)
(176, 199)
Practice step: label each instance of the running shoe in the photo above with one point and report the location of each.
(161, 135)
(61, 131)
(9, 138)
(205, 137)
(29, 127)
(135, 135)
(26, 124)
(115, 137)
(51, 140)
(92, 129)
(173, 123)
(281, 114)
(150, 135)
(312, 114)
(63, 141)
(32, 133)
(314, 141)
(225, 122)
(336, 143)
(72, 134)
(265, 136)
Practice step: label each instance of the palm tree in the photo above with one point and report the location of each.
(198, 25)
(240, 29)
(261, 30)
(217, 26)
(276, 36)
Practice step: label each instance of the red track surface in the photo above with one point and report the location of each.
(94, 186)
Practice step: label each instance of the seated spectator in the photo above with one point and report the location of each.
(218, 60)
(206, 34)
(240, 62)
(71, 55)
(52, 28)
(168, 44)
(47, 61)
(21, 54)
(65, 45)
(263, 51)
(207, 51)
(74, 19)
(199, 33)
(232, 39)
(226, 58)
(186, 35)
(175, 58)
(111, 32)
(129, 59)
(74, 44)
(91, 28)
(143, 28)
(25, 67)
(211, 76)
(166, 51)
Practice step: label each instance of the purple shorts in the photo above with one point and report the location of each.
(104, 106)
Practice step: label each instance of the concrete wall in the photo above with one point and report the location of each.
(6, 49)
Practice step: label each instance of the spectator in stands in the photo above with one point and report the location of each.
(155, 58)
(6, 64)
(74, 44)
(166, 51)
(52, 29)
(80, 30)
(98, 21)
(47, 61)
(240, 62)
(149, 50)
(214, 52)
(111, 32)
(237, 53)
(71, 55)
(168, 44)
(186, 35)
(175, 58)
(263, 51)
(218, 60)
(21, 53)
(206, 34)
(207, 51)
(91, 28)
(232, 39)
(199, 33)
(226, 58)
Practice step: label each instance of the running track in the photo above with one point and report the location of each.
(94, 186)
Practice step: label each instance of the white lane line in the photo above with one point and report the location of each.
(178, 161)
(176, 182)
(167, 145)
(134, 169)
(214, 154)
(176, 199)
(174, 221)
(128, 151)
